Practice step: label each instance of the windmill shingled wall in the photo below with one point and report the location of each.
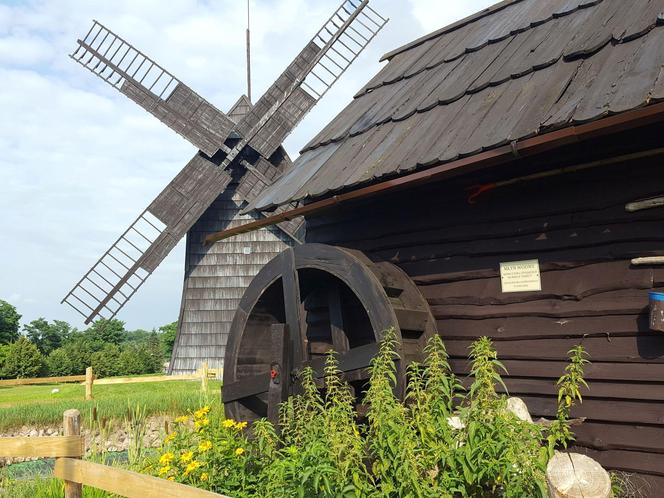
(215, 280)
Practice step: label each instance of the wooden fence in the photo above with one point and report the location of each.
(203, 374)
(68, 450)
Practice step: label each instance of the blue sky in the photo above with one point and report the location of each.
(78, 161)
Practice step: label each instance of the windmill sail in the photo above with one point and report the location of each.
(311, 74)
(134, 74)
(118, 274)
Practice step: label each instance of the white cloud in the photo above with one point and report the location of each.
(78, 161)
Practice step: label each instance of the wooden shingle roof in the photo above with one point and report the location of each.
(516, 70)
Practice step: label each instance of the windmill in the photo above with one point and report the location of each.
(240, 151)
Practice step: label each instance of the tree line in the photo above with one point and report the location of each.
(42, 348)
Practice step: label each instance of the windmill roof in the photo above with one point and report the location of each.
(518, 69)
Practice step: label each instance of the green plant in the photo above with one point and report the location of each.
(23, 360)
(136, 427)
(569, 392)
(392, 440)
(496, 454)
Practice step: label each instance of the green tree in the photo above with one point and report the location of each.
(47, 336)
(4, 351)
(23, 360)
(9, 319)
(111, 331)
(59, 364)
(168, 334)
(105, 363)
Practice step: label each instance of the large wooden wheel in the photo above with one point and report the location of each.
(308, 300)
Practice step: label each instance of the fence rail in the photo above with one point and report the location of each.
(68, 451)
(124, 482)
(42, 380)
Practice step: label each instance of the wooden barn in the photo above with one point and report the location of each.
(498, 177)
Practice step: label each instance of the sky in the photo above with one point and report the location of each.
(79, 161)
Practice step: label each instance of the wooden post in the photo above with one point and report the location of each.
(89, 379)
(204, 378)
(72, 427)
(571, 475)
(279, 371)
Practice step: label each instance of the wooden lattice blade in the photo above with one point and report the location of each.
(134, 74)
(311, 74)
(119, 273)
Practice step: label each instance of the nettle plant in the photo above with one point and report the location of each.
(440, 441)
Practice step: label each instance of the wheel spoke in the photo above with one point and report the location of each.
(292, 303)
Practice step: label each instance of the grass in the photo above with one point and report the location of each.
(36, 406)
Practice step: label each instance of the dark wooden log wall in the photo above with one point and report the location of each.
(577, 226)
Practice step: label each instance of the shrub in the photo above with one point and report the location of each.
(412, 448)
(23, 360)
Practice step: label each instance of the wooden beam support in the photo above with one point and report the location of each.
(71, 421)
(292, 304)
(123, 482)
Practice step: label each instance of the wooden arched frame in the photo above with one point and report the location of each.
(276, 341)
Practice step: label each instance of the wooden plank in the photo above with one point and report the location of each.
(42, 447)
(245, 387)
(43, 380)
(339, 337)
(596, 370)
(124, 482)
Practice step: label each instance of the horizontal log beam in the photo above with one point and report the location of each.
(42, 447)
(42, 380)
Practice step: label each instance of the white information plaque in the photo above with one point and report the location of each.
(520, 276)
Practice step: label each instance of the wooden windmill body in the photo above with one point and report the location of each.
(240, 154)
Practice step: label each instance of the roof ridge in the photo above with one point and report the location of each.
(451, 27)
(469, 91)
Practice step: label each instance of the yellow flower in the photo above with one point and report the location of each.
(199, 424)
(171, 478)
(166, 458)
(239, 451)
(186, 456)
(170, 437)
(240, 425)
(202, 412)
(164, 470)
(191, 467)
(228, 423)
(204, 476)
(204, 446)
(181, 420)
